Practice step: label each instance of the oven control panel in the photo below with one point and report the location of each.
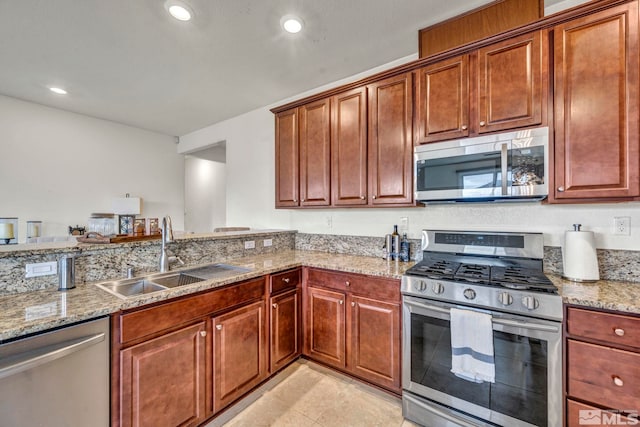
(537, 304)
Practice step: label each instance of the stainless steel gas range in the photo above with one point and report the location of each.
(496, 273)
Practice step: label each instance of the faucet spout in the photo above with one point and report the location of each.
(167, 237)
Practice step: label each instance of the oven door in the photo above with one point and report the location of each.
(528, 356)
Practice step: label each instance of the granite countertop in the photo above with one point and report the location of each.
(31, 312)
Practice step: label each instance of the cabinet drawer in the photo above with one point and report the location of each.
(285, 280)
(152, 320)
(576, 418)
(373, 287)
(603, 375)
(615, 329)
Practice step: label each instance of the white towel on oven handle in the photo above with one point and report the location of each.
(472, 356)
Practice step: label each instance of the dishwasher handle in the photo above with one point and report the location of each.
(31, 359)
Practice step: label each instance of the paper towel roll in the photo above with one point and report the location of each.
(579, 259)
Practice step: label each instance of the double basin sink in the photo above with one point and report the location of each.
(128, 288)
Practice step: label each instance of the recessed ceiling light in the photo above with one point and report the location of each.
(179, 10)
(58, 90)
(291, 24)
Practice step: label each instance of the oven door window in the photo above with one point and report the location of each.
(520, 390)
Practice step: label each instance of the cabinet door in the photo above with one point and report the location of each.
(163, 380)
(315, 157)
(326, 327)
(596, 105)
(510, 76)
(349, 148)
(375, 341)
(390, 141)
(442, 100)
(285, 328)
(239, 353)
(287, 159)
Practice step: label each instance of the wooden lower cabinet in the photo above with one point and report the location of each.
(375, 341)
(239, 353)
(602, 367)
(325, 335)
(352, 322)
(163, 380)
(284, 330)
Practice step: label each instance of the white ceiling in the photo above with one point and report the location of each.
(128, 61)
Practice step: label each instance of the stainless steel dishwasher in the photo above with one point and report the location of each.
(57, 379)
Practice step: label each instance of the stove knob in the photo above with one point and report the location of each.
(469, 293)
(420, 286)
(437, 288)
(530, 302)
(505, 298)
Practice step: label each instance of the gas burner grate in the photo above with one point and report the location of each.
(521, 278)
(473, 273)
(435, 269)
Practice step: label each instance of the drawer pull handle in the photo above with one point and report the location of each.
(619, 332)
(203, 333)
(618, 381)
(347, 283)
(219, 327)
(286, 279)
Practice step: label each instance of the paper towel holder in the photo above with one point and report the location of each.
(579, 257)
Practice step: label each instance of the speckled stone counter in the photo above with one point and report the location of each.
(604, 294)
(31, 312)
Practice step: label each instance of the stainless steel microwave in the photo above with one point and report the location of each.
(511, 166)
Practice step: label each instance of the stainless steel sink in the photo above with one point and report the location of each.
(128, 288)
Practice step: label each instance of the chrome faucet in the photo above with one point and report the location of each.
(167, 237)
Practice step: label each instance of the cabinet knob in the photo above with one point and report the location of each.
(619, 332)
(341, 302)
(353, 304)
(274, 305)
(375, 197)
(560, 189)
(463, 127)
(203, 333)
(286, 279)
(362, 197)
(348, 283)
(219, 327)
(618, 381)
(302, 200)
(482, 123)
(295, 200)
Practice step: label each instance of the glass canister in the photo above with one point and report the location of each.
(34, 229)
(103, 223)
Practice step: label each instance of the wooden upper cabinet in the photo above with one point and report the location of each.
(596, 105)
(390, 141)
(315, 158)
(510, 83)
(442, 100)
(349, 148)
(287, 159)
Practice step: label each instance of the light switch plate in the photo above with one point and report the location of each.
(250, 244)
(41, 269)
(268, 242)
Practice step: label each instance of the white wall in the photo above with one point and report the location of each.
(59, 167)
(204, 195)
(251, 193)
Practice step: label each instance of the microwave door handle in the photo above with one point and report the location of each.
(504, 153)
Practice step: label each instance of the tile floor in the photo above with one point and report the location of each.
(307, 394)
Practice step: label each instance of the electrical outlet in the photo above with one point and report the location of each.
(622, 225)
(330, 221)
(404, 225)
(250, 244)
(267, 242)
(41, 269)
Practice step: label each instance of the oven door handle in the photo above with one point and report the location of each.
(495, 320)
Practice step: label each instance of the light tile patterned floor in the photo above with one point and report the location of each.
(307, 394)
